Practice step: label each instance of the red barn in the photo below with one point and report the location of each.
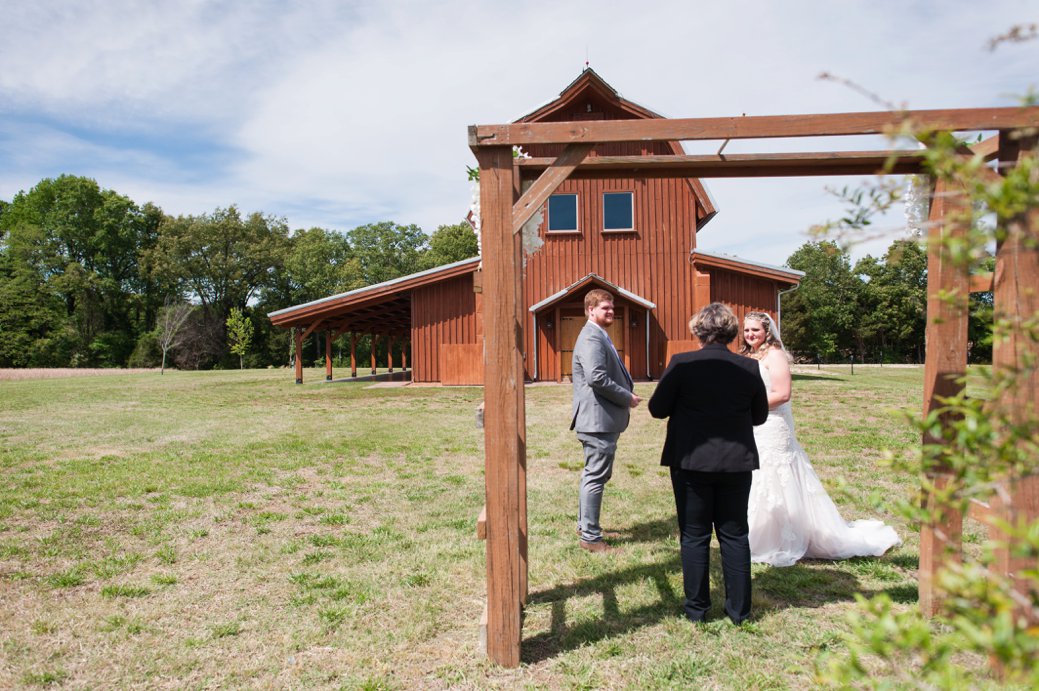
(634, 236)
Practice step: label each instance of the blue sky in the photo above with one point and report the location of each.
(335, 113)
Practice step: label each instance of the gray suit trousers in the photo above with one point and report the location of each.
(599, 450)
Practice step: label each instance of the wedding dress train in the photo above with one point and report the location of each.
(791, 517)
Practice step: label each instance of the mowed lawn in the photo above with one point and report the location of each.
(232, 529)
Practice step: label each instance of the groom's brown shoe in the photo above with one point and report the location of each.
(598, 546)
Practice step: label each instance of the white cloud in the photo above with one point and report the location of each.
(336, 113)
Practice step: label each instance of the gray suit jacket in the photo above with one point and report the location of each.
(602, 385)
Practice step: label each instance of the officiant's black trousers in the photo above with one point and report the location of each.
(718, 501)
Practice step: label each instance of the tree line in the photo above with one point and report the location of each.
(874, 310)
(90, 278)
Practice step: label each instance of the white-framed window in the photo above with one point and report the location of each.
(618, 213)
(562, 213)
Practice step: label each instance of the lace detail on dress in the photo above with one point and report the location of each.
(790, 514)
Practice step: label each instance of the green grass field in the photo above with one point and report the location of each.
(232, 529)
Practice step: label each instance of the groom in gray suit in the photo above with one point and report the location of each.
(603, 396)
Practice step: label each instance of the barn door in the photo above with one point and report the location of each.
(570, 328)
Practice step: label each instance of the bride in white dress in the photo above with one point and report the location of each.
(791, 517)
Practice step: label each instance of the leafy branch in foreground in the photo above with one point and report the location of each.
(978, 448)
(977, 445)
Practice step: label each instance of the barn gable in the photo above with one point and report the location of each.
(589, 97)
(633, 235)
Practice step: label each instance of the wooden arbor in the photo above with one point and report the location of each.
(504, 211)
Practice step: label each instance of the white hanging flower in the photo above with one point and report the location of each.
(474, 215)
(917, 203)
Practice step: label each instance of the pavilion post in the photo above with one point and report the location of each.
(298, 338)
(389, 352)
(948, 290)
(1016, 299)
(504, 402)
(375, 340)
(353, 354)
(328, 355)
(404, 343)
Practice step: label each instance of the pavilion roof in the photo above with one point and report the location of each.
(386, 305)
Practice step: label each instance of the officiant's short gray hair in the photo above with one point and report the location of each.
(715, 323)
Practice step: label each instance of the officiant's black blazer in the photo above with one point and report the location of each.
(712, 398)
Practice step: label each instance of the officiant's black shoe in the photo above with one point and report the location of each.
(598, 546)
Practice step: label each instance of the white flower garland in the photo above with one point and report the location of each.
(532, 241)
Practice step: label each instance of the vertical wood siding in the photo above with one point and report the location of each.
(744, 293)
(652, 262)
(440, 313)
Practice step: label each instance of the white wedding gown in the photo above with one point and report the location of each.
(791, 517)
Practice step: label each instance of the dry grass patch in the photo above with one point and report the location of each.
(230, 529)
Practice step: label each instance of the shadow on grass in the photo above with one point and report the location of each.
(797, 586)
(816, 377)
(560, 637)
(903, 594)
(906, 561)
(813, 583)
(660, 530)
(803, 585)
(808, 584)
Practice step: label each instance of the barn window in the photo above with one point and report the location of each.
(617, 211)
(562, 213)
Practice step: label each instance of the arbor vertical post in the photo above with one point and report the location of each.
(1016, 299)
(503, 396)
(521, 408)
(948, 290)
(328, 355)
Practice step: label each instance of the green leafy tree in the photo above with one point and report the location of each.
(819, 317)
(239, 334)
(34, 327)
(319, 263)
(75, 243)
(387, 250)
(451, 243)
(223, 260)
(892, 304)
(981, 318)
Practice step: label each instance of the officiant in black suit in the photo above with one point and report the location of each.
(712, 398)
